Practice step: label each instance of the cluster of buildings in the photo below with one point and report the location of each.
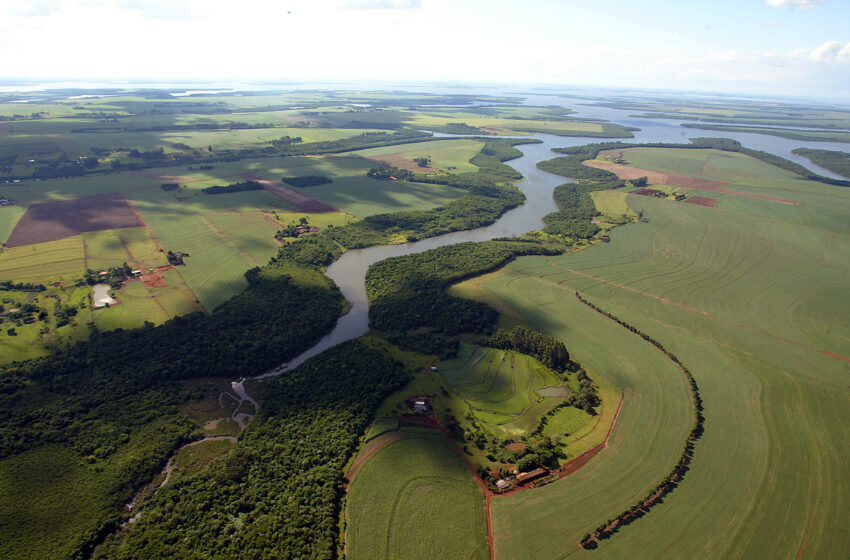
(7, 201)
(421, 404)
(520, 478)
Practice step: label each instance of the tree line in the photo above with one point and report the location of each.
(674, 477)
(234, 187)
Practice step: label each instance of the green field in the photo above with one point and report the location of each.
(756, 304)
(502, 388)
(448, 156)
(43, 262)
(416, 498)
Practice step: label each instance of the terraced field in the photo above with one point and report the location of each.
(757, 304)
(505, 390)
(416, 498)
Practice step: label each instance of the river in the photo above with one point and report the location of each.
(349, 271)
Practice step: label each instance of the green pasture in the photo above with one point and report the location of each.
(756, 304)
(416, 498)
(612, 203)
(137, 304)
(503, 389)
(446, 155)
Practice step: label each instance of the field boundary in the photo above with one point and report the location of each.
(674, 477)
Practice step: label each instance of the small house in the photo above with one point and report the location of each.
(501, 484)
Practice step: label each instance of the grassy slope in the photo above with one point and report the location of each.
(501, 388)
(751, 304)
(416, 499)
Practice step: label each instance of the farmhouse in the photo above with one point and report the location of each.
(7, 201)
(530, 475)
(501, 484)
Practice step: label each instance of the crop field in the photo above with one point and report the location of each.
(756, 304)
(252, 234)
(504, 126)
(215, 266)
(43, 262)
(503, 389)
(448, 156)
(416, 498)
(135, 246)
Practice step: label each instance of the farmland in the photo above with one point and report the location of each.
(416, 498)
(755, 303)
(504, 390)
(445, 155)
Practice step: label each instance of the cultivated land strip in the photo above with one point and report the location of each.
(300, 201)
(675, 180)
(700, 311)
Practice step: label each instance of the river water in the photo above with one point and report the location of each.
(349, 271)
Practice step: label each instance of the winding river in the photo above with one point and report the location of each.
(349, 271)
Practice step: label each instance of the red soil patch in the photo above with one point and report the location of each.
(50, 221)
(300, 201)
(701, 200)
(369, 451)
(155, 280)
(674, 180)
(164, 268)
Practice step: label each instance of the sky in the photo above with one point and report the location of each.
(754, 47)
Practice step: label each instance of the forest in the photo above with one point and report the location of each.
(409, 292)
(277, 493)
(837, 162)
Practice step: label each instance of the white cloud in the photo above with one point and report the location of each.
(798, 4)
(382, 5)
(34, 8)
(831, 51)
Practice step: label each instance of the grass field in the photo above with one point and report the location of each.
(502, 388)
(449, 156)
(502, 126)
(756, 304)
(416, 498)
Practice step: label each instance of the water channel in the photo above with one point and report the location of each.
(349, 271)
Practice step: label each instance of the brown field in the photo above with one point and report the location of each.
(674, 180)
(701, 200)
(300, 201)
(5, 128)
(50, 221)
